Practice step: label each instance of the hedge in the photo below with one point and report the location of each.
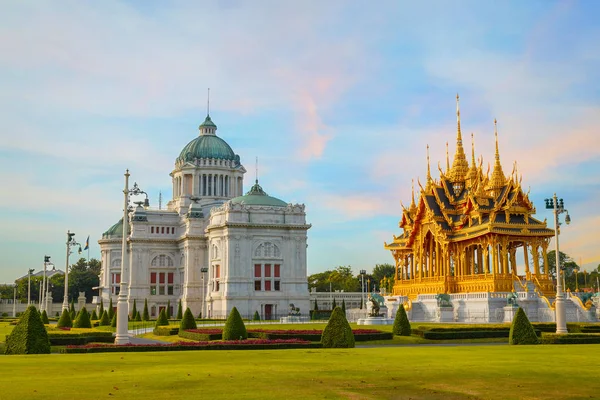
(69, 337)
(168, 330)
(571, 338)
(203, 335)
(457, 335)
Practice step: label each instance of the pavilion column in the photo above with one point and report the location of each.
(479, 260)
(536, 259)
(513, 260)
(495, 258)
(420, 263)
(486, 258)
(545, 257)
(504, 258)
(438, 263)
(430, 257)
(526, 258)
(412, 266)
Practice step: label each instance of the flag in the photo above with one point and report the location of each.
(87, 243)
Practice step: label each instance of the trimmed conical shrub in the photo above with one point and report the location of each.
(94, 316)
(29, 336)
(361, 303)
(187, 321)
(134, 310)
(101, 310)
(333, 306)
(162, 319)
(104, 320)
(401, 324)
(83, 320)
(169, 309)
(138, 316)
(72, 308)
(72, 315)
(344, 305)
(180, 311)
(337, 333)
(146, 314)
(65, 320)
(521, 330)
(316, 305)
(111, 311)
(200, 315)
(234, 327)
(256, 316)
(113, 321)
(45, 318)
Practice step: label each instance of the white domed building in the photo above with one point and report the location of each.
(213, 247)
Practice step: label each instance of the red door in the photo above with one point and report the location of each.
(268, 311)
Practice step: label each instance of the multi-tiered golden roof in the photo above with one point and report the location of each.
(464, 232)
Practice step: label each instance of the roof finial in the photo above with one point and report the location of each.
(458, 133)
(473, 149)
(208, 103)
(412, 203)
(496, 135)
(447, 159)
(428, 168)
(256, 169)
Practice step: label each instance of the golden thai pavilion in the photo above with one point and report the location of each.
(463, 234)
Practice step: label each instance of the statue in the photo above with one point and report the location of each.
(376, 303)
(511, 300)
(294, 310)
(443, 300)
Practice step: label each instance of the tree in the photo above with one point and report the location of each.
(94, 316)
(83, 319)
(45, 318)
(333, 305)
(101, 310)
(340, 278)
(65, 320)
(113, 321)
(83, 276)
(111, 310)
(187, 321)
(29, 336)
(162, 319)
(344, 306)
(138, 316)
(256, 316)
(234, 328)
(104, 320)
(134, 310)
(401, 324)
(316, 306)
(337, 333)
(146, 315)
(381, 271)
(521, 330)
(168, 309)
(179, 311)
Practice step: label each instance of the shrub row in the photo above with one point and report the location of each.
(66, 338)
(166, 330)
(202, 335)
(230, 345)
(571, 338)
(360, 335)
(457, 335)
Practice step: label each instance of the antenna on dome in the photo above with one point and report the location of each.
(208, 103)
(256, 169)
(160, 200)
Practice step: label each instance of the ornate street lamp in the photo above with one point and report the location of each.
(71, 242)
(203, 271)
(29, 286)
(44, 284)
(561, 318)
(362, 287)
(122, 336)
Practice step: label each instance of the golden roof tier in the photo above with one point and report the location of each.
(463, 233)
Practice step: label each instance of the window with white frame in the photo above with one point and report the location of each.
(267, 277)
(162, 279)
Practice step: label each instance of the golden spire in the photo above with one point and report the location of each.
(472, 174)
(412, 203)
(460, 166)
(498, 180)
(447, 160)
(429, 180)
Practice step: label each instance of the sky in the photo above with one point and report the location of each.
(337, 99)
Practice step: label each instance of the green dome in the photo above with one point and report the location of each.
(207, 145)
(256, 196)
(115, 230)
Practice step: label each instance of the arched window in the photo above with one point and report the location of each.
(267, 250)
(162, 261)
(116, 263)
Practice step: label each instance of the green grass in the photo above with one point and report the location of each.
(491, 372)
(5, 329)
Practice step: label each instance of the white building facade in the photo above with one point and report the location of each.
(213, 247)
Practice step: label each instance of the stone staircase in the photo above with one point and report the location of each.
(418, 313)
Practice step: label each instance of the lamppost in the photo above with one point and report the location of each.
(203, 270)
(561, 318)
(44, 284)
(71, 242)
(29, 286)
(15, 301)
(122, 337)
(362, 287)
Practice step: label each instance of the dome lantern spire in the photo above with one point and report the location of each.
(208, 127)
(498, 180)
(460, 166)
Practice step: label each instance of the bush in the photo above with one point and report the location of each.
(571, 338)
(94, 316)
(337, 333)
(134, 310)
(344, 306)
(113, 321)
(333, 306)
(146, 314)
(202, 335)
(65, 320)
(521, 330)
(179, 311)
(162, 319)
(111, 310)
(45, 318)
(104, 321)
(72, 315)
(168, 330)
(138, 317)
(234, 327)
(188, 321)
(101, 309)
(401, 323)
(83, 320)
(57, 314)
(29, 335)
(256, 316)
(65, 338)
(168, 309)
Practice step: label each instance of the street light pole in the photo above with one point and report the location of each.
(561, 317)
(29, 287)
(203, 271)
(44, 283)
(15, 301)
(362, 287)
(70, 243)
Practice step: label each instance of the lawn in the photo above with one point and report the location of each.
(430, 372)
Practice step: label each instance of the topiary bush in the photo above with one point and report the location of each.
(101, 309)
(401, 324)
(104, 320)
(113, 321)
(134, 310)
(333, 305)
(162, 319)
(146, 314)
(521, 330)
(29, 336)
(168, 309)
(234, 327)
(138, 317)
(94, 316)
(65, 320)
(45, 318)
(179, 311)
(256, 316)
(337, 333)
(187, 321)
(83, 320)
(111, 310)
